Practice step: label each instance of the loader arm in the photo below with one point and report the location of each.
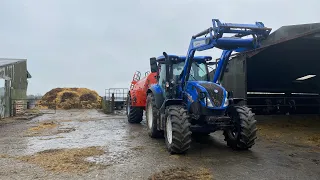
(228, 44)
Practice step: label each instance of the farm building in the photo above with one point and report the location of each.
(283, 75)
(14, 84)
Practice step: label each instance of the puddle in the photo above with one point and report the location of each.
(115, 157)
(78, 133)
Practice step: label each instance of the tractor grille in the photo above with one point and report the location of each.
(217, 97)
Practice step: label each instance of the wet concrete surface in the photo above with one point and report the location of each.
(131, 154)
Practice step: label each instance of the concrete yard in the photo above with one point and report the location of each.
(87, 144)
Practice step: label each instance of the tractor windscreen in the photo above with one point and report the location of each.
(198, 71)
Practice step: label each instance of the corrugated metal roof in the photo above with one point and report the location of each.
(283, 34)
(286, 33)
(8, 61)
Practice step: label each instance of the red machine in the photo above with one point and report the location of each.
(137, 96)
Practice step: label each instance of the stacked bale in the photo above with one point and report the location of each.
(72, 98)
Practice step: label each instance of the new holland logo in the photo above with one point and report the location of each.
(216, 91)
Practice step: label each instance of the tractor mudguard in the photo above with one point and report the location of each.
(235, 101)
(169, 102)
(157, 93)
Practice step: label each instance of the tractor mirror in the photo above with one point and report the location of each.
(153, 65)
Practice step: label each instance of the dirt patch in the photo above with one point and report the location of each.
(183, 173)
(65, 160)
(297, 131)
(7, 121)
(43, 126)
(138, 148)
(47, 129)
(58, 137)
(315, 139)
(66, 120)
(64, 130)
(41, 129)
(5, 156)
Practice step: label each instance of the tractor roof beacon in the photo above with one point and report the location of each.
(184, 101)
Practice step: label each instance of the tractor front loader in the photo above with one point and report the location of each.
(184, 101)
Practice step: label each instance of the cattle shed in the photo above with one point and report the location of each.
(283, 75)
(14, 84)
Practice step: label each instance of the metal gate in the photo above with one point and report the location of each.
(120, 96)
(2, 102)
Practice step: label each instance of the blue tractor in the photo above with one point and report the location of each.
(185, 101)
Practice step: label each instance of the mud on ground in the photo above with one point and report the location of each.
(65, 160)
(182, 173)
(299, 129)
(87, 144)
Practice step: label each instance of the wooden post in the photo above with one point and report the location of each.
(112, 103)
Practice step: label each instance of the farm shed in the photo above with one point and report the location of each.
(14, 84)
(283, 75)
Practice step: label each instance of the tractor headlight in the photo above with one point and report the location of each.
(208, 102)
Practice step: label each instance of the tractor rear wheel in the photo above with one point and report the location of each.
(177, 130)
(152, 117)
(134, 114)
(243, 135)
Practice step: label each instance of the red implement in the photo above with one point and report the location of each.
(139, 87)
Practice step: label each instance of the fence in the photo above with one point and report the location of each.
(119, 96)
(281, 104)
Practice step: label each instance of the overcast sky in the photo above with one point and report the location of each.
(99, 44)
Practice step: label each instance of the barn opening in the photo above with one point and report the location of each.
(281, 77)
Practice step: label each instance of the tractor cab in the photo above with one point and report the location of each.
(170, 71)
(201, 92)
(199, 68)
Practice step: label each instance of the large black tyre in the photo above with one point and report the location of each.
(152, 116)
(177, 130)
(244, 133)
(134, 114)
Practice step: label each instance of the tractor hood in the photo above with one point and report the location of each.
(215, 95)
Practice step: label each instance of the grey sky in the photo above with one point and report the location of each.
(99, 43)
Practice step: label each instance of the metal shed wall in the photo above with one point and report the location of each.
(235, 79)
(16, 83)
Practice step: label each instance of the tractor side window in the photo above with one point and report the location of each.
(202, 71)
(177, 68)
(162, 75)
(198, 72)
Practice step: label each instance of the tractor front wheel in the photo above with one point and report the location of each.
(152, 117)
(242, 136)
(177, 130)
(134, 114)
